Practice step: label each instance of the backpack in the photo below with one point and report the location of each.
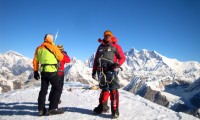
(105, 56)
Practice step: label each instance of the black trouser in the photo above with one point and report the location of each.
(54, 80)
(62, 84)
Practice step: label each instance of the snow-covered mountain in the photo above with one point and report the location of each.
(78, 71)
(153, 65)
(78, 104)
(15, 70)
(146, 73)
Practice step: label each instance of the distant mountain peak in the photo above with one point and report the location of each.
(144, 50)
(133, 50)
(144, 54)
(13, 53)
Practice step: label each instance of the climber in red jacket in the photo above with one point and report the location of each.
(109, 57)
(66, 59)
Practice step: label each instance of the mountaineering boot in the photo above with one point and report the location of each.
(115, 114)
(56, 111)
(103, 98)
(98, 109)
(43, 112)
(101, 108)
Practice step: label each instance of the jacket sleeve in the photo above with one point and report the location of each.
(35, 61)
(121, 57)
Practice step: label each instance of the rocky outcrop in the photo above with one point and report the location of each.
(139, 87)
(17, 84)
(156, 97)
(178, 95)
(8, 85)
(5, 88)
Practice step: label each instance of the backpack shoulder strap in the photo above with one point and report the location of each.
(50, 52)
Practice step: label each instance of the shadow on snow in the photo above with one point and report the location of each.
(30, 108)
(85, 111)
(18, 108)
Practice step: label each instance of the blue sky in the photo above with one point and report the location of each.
(170, 27)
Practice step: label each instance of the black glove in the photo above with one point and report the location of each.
(36, 75)
(114, 65)
(94, 74)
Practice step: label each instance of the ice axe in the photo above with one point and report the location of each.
(102, 58)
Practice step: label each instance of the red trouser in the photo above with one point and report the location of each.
(114, 97)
